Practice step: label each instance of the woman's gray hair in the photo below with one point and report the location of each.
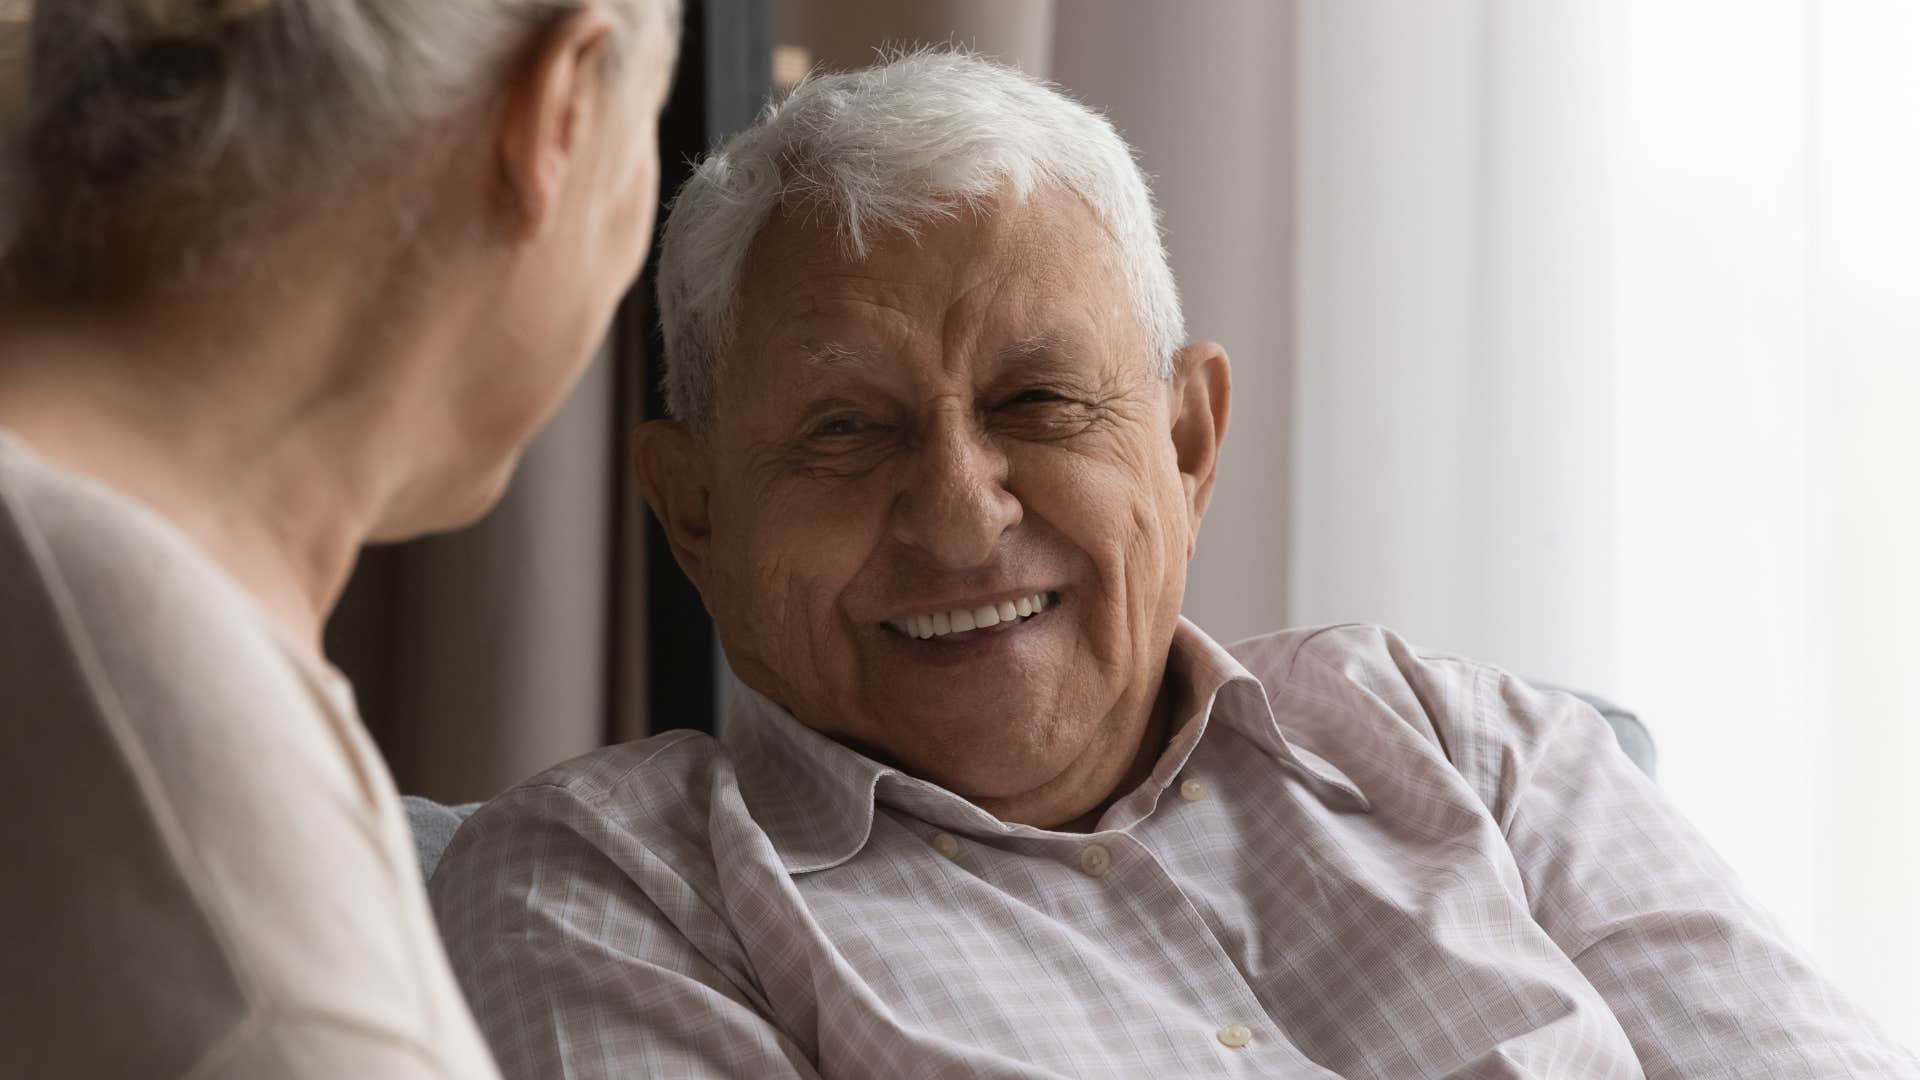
(154, 120)
(895, 147)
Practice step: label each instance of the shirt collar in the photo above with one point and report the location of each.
(1219, 687)
(814, 798)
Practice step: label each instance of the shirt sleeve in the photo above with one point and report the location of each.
(1703, 981)
(584, 955)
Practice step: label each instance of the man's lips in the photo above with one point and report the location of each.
(985, 615)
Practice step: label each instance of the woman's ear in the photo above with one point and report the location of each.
(672, 467)
(1201, 392)
(542, 131)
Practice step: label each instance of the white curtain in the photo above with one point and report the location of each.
(1608, 371)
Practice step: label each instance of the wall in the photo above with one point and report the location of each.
(841, 35)
(1205, 93)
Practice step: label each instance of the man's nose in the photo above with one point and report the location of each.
(954, 503)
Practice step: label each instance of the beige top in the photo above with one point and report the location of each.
(204, 869)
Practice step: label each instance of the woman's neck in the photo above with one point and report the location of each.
(258, 435)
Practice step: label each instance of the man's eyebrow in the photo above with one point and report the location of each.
(833, 354)
(1043, 351)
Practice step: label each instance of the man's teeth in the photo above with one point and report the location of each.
(961, 620)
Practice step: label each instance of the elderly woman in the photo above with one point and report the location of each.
(284, 277)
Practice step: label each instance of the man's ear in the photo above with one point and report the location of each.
(1201, 392)
(552, 101)
(670, 462)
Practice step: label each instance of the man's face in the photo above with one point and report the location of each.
(963, 421)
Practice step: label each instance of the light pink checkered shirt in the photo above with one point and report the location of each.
(1353, 859)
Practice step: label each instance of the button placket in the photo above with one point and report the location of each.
(1156, 883)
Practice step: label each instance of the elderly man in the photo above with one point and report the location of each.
(989, 806)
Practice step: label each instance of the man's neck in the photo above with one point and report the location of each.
(1152, 744)
(1110, 779)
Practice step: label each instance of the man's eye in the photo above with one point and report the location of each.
(1035, 396)
(838, 427)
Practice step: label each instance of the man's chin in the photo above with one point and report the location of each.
(1000, 761)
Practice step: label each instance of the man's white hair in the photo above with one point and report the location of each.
(893, 147)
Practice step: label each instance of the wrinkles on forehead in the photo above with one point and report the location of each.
(1031, 234)
(1041, 272)
(1045, 348)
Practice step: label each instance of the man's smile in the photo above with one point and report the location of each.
(963, 621)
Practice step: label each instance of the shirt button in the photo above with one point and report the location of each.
(947, 844)
(1095, 860)
(1193, 790)
(1234, 1036)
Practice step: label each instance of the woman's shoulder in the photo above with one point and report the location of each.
(101, 558)
(135, 631)
(98, 875)
(193, 801)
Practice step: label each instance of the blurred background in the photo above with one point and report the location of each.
(1582, 337)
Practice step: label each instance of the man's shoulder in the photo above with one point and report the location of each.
(656, 792)
(591, 834)
(669, 759)
(1355, 688)
(1338, 657)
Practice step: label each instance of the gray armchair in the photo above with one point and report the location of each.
(433, 826)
